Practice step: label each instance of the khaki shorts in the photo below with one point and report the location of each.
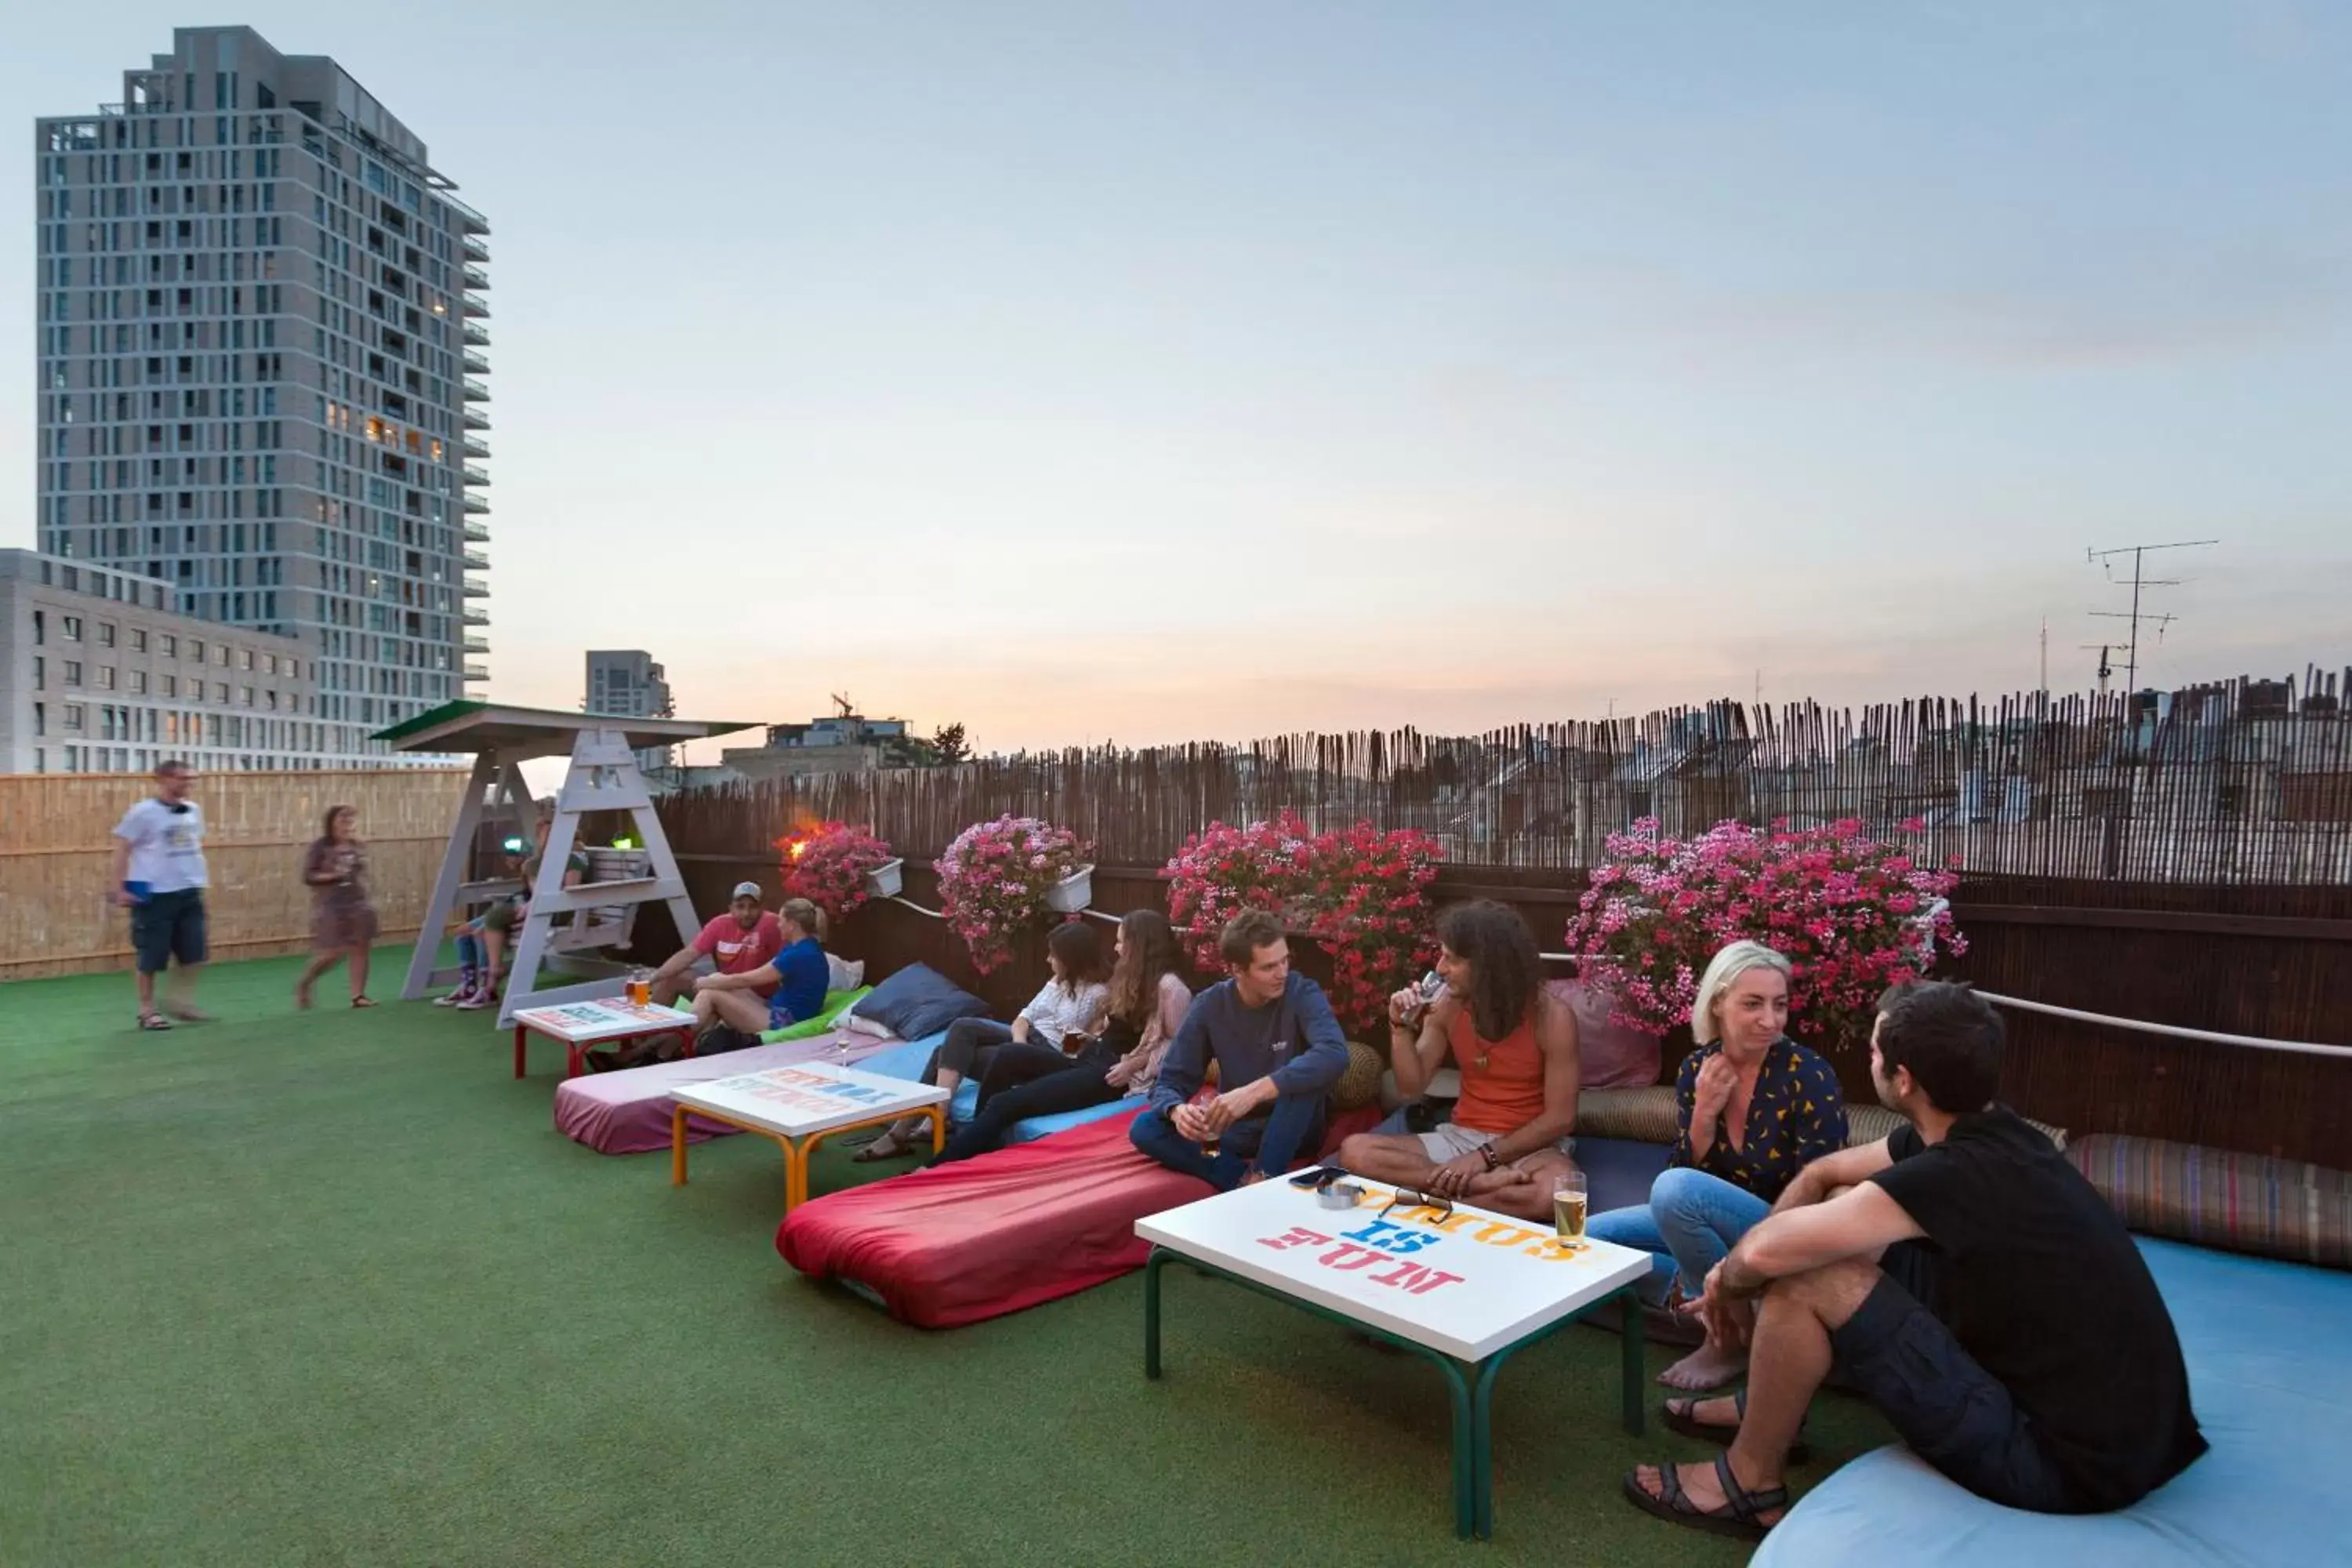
(1450, 1140)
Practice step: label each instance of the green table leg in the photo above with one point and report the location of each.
(1469, 1446)
(1151, 1267)
(1631, 1370)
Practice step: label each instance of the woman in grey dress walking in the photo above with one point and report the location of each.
(342, 920)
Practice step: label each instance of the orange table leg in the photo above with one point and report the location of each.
(796, 1162)
(677, 1146)
(938, 1115)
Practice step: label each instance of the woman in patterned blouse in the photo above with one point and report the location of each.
(1752, 1109)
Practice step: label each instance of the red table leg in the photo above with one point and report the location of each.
(518, 1034)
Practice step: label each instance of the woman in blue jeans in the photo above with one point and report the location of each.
(1752, 1109)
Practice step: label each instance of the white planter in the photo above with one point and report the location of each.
(1073, 893)
(885, 881)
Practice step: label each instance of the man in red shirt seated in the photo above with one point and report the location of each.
(738, 942)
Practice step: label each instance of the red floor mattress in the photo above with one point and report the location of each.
(957, 1244)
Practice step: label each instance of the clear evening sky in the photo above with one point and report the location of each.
(1146, 372)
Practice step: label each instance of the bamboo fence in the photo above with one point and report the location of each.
(57, 843)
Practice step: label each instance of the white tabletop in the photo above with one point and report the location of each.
(1468, 1285)
(577, 1023)
(810, 1097)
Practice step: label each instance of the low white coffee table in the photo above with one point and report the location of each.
(579, 1024)
(1464, 1289)
(799, 1107)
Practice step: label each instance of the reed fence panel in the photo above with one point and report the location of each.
(57, 844)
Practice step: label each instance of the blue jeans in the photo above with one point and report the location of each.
(1692, 1220)
(1275, 1141)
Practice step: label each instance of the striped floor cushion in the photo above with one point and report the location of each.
(1647, 1116)
(2245, 1203)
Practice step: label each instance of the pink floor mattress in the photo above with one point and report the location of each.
(957, 1244)
(628, 1113)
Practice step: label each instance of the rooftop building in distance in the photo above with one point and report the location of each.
(843, 742)
(627, 683)
(100, 672)
(261, 321)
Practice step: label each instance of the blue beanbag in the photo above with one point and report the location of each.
(918, 1001)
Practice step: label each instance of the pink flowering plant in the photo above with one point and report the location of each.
(993, 880)
(1358, 892)
(1853, 914)
(826, 862)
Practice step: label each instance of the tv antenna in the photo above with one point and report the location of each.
(2139, 580)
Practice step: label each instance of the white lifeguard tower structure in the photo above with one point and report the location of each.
(603, 777)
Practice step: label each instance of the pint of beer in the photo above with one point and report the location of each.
(1568, 1207)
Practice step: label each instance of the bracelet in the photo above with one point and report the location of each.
(1487, 1154)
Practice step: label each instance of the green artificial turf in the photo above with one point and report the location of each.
(327, 1288)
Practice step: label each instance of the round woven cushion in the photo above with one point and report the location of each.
(1361, 1084)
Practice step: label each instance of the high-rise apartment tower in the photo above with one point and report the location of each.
(261, 323)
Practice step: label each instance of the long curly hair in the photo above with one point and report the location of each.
(1505, 972)
(1151, 956)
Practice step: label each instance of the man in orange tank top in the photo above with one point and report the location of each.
(1515, 1048)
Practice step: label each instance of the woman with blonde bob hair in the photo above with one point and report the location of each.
(1752, 1107)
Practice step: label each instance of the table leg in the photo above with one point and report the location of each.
(1632, 1370)
(1151, 1267)
(1473, 1503)
(938, 1115)
(678, 1145)
(796, 1174)
(571, 1060)
(518, 1034)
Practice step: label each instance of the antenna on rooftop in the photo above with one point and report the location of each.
(2139, 580)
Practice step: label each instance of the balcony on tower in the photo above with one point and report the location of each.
(477, 363)
(477, 533)
(475, 305)
(475, 476)
(475, 391)
(474, 448)
(477, 590)
(477, 336)
(476, 419)
(477, 562)
(476, 279)
(475, 251)
(474, 672)
(477, 617)
(478, 505)
(477, 645)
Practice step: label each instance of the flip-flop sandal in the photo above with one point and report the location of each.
(877, 1151)
(362, 1001)
(1737, 1517)
(1689, 1426)
(154, 1023)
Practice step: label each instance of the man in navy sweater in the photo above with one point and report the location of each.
(1279, 1051)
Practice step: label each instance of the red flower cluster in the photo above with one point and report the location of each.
(827, 863)
(1358, 892)
(1853, 914)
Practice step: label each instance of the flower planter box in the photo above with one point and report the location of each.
(885, 881)
(1073, 893)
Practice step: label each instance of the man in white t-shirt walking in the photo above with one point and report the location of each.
(159, 876)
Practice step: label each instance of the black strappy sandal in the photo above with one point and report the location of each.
(1686, 1422)
(1737, 1518)
(154, 1023)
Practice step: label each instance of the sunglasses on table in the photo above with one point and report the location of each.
(1402, 1199)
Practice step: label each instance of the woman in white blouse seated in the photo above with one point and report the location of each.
(1073, 1002)
(1148, 1003)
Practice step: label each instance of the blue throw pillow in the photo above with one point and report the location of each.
(918, 1001)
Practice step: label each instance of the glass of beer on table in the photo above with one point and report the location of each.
(640, 987)
(1568, 1206)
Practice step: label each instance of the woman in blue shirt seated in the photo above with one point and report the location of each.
(1752, 1109)
(730, 1010)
